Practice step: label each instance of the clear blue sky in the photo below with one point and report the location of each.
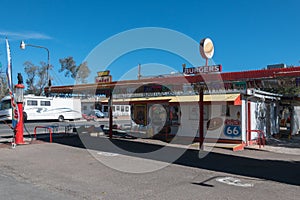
(248, 34)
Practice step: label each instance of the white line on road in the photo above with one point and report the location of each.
(233, 181)
(103, 153)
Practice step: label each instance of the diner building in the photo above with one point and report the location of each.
(231, 107)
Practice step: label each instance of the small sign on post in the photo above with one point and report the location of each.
(103, 77)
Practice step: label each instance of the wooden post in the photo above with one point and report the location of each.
(201, 117)
(110, 115)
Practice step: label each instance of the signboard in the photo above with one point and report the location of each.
(103, 79)
(103, 73)
(240, 85)
(232, 128)
(203, 69)
(206, 48)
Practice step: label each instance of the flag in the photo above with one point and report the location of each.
(15, 115)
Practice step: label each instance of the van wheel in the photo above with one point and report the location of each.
(61, 118)
(24, 117)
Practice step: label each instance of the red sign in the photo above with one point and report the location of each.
(203, 69)
(232, 122)
(103, 79)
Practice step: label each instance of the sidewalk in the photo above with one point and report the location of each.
(283, 145)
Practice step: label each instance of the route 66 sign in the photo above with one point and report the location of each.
(232, 131)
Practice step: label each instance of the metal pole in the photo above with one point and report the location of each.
(48, 58)
(139, 71)
(201, 120)
(110, 115)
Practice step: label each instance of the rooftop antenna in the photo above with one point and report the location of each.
(183, 67)
(139, 72)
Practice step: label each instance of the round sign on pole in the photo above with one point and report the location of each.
(206, 48)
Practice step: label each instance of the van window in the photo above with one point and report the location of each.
(6, 104)
(45, 103)
(31, 103)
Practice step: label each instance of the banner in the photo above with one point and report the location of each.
(15, 115)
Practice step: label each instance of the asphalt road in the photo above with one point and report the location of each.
(66, 170)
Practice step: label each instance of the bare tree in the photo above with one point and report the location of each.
(36, 77)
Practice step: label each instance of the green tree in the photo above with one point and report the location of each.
(36, 77)
(79, 73)
(284, 89)
(287, 91)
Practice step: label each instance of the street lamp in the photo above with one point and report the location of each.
(23, 45)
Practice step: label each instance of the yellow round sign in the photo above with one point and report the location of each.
(206, 48)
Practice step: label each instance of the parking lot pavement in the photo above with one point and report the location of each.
(283, 146)
(66, 170)
(14, 188)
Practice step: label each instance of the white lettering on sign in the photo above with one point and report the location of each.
(103, 79)
(203, 69)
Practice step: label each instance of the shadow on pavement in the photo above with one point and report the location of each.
(287, 172)
(294, 142)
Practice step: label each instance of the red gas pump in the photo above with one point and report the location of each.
(19, 96)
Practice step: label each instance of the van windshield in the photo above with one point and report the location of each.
(6, 104)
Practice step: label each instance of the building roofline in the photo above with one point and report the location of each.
(224, 76)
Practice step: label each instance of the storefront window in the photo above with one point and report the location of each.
(139, 114)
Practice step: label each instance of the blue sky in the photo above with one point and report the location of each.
(247, 34)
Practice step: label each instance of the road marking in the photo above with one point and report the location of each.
(233, 181)
(108, 154)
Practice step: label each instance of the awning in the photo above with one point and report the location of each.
(137, 99)
(235, 98)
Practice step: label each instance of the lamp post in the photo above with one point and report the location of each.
(23, 46)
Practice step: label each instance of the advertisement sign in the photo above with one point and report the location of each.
(103, 79)
(103, 73)
(232, 128)
(203, 69)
